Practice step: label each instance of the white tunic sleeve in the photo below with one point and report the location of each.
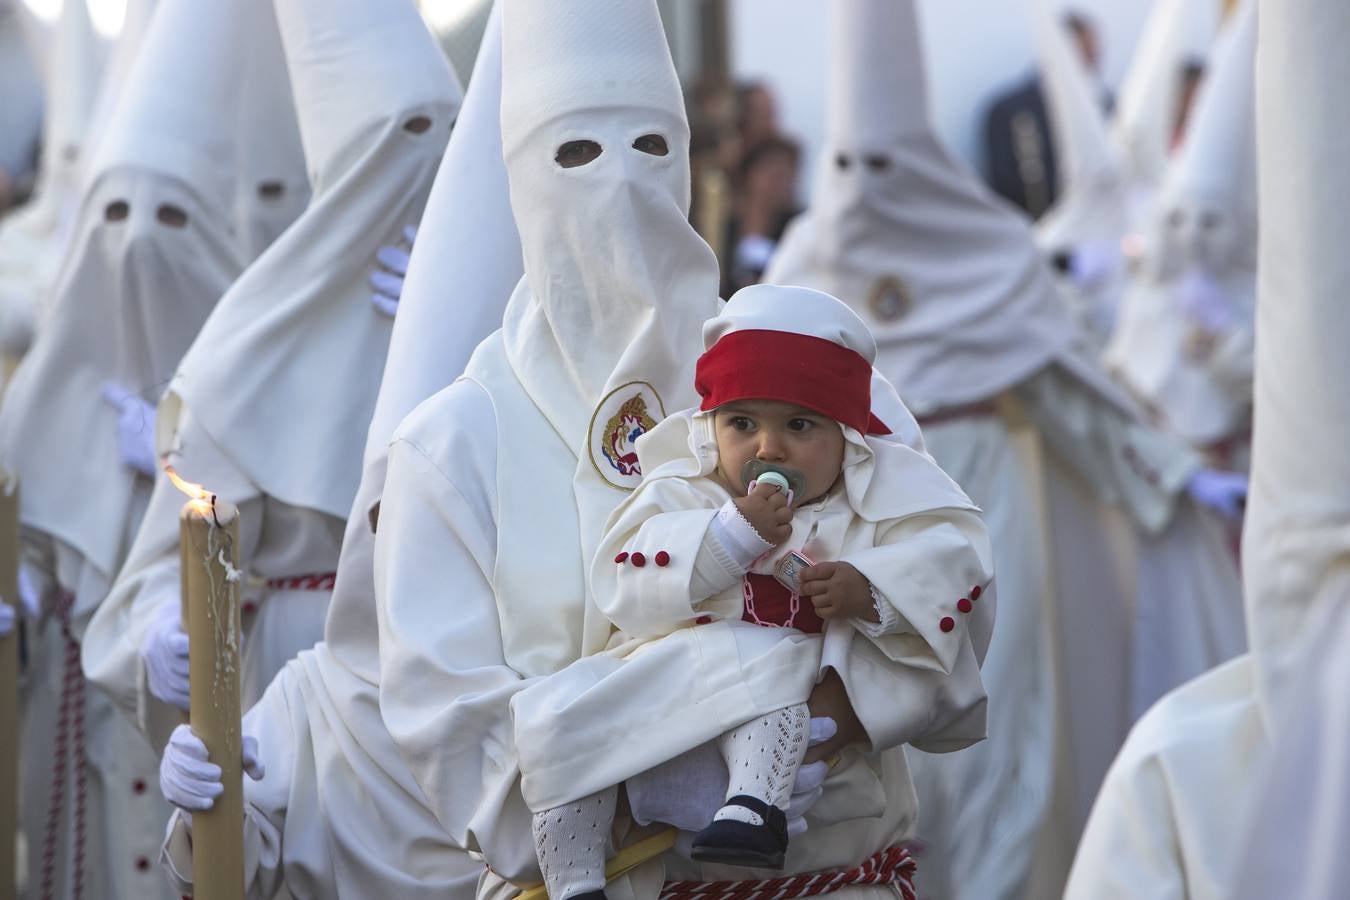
(1122, 459)
(936, 570)
(445, 686)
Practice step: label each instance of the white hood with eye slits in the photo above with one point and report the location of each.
(947, 277)
(617, 283)
(376, 101)
(151, 253)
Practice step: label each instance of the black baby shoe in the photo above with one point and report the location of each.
(742, 844)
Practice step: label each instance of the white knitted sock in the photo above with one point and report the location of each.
(571, 842)
(762, 758)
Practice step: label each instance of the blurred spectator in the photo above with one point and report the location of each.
(744, 176)
(1019, 151)
(756, 115)
(764, 201)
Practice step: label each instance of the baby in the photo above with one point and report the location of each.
(774, 525)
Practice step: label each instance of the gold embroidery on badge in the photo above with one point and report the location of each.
(612, 449)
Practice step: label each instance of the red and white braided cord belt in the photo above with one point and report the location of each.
(68, 756)
(893, 866)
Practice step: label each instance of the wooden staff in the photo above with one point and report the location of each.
(9, 685)
(209, 542)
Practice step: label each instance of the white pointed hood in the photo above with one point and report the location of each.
(284, 374)
(1177, 31)
(602, 333)
(20, 95)
(948, 278)
(1296, 543)
(72, 64)
(617, 283)
(1207, 206)
(1093, 203)
(151, 252)
(463, 269)
(181, 124)
(1202, 239)
(73, 73)
(135, 25)
(466, 261)
(273, 186)
(1083, 149)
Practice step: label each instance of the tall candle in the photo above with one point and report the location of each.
(209, 542)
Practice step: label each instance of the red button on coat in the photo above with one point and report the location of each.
(142, 863)
(248, 608)
(662, 559)
(621, 558)
(975, 592)
(703, 620)
(138, 786)
(964, 605)
(638, 559)
(947, 624)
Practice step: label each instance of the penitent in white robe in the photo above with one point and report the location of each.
(513, 615)
(1042, 465)
(662, 688)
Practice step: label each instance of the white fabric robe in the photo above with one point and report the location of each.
(1169, 820)
(123, 805)
(663, 688)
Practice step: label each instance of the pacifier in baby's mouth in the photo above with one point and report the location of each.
(790, 481)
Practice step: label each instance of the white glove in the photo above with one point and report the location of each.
(187, 777)
(387, 279)
(164, 653)
(1203, 302)
(135, 428)
(1093, 262)
(29, 603)
(810, 784)
(30, 598)
(1224, 492)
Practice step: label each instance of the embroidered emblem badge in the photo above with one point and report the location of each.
(889, 299)
(627, 413)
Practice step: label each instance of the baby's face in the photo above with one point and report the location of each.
(781, 433)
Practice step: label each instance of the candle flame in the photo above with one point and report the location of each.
(202, 500)
(195, 491)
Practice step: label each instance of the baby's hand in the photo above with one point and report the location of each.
(766, 509)
(839, 591)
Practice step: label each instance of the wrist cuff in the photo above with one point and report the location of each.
(733, 541)
(890, 617)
